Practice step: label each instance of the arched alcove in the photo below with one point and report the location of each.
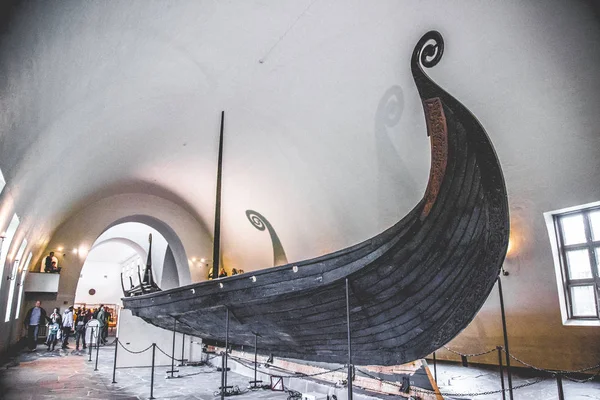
(175, 263)
(127, 242)
(100, 276)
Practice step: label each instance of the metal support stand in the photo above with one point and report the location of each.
(224, 360)
(255, 382)
(561, 394)
(226, 346)
(97, 351)
(182, 363)
(508, 373)
(115, 360)
(349, 341)
(501, 371)
(434, 368)
(172, 371)
(222, 389)
(152, 373)
(91, 344)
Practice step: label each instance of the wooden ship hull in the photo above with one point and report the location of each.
(411, 289)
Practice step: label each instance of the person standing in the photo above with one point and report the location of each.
(67, 325)
(80, 322)
(54, 327)
(48, 262)
(33, 318)
(102, 323)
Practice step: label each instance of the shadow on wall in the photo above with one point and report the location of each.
(388, 115)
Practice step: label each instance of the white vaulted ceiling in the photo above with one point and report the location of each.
(324, 133)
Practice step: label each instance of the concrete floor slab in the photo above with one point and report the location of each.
(69, 375)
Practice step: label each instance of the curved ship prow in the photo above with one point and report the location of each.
(412, 288)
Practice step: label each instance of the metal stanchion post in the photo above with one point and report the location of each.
(173, 352)
(504, 330)
(349, 341)
(561, 394)
(182, 350)
(254, 383)
(115, 360)
(91, 343)
(152, 373)
(226, 347)
(434, 368)
(97, 351)
(255, 357)
(499, 348)
(222, 376)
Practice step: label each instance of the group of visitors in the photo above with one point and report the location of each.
(60, 326)
(51, 264)
(224, 274)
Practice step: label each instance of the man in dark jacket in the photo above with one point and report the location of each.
(35, 317)
(80, 322)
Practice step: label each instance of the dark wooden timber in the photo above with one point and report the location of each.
(147, 283)
(217, 234)
(413, 287)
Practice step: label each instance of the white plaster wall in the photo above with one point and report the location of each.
(104, 277)
(136, 334)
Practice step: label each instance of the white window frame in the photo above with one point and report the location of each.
(22, 284)
(13, 279)
(551, 219)
(7, 242)
(2, 181)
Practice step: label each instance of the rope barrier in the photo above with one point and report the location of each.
(537, 380)
(582, 380)
(470, 355)
(550, 371)
(244, 362)
(131, 351)
(171, 358)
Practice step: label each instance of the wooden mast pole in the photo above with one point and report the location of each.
(217, 235)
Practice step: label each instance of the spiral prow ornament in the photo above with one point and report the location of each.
(261, 223)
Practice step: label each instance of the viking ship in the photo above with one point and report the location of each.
(401, 294)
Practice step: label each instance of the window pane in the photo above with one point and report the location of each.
(598, 260)
(579, 264)
(13, 277)
(20, 295)
(595, 224)
(584, 301)
(10, 233)
(573, 230)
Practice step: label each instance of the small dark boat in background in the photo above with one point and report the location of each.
(146, 280)
(411, 288)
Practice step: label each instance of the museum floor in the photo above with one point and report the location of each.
(69, 375)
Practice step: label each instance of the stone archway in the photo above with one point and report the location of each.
(176, 265)
(136, 247)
